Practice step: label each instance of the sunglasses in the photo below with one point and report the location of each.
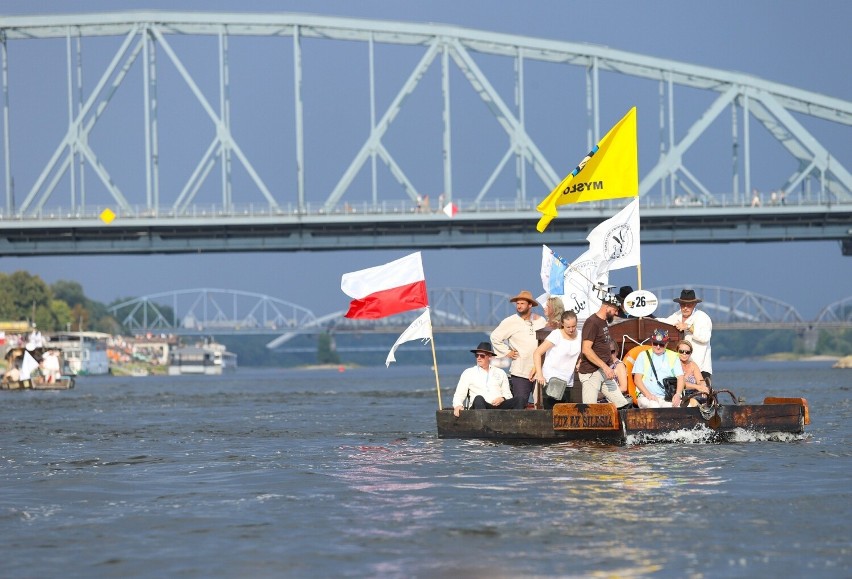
(684, 351)
(482, 355)
(659, 343)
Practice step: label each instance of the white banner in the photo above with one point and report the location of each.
(581, 277)
(616, 240)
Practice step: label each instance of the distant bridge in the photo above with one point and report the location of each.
(198, 312)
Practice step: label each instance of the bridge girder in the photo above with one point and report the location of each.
(820, 176)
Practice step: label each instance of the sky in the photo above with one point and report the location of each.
(803, 44)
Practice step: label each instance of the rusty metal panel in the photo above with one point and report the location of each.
(585, 417)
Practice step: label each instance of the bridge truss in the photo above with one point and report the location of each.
(198, 75)
(210, 311)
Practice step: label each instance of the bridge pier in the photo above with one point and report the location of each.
(810, 336)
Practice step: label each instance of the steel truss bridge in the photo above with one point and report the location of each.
(171, 132)
(199, 312)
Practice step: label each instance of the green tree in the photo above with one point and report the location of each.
(61, 314)
(27, 292)
(8, 311)
(326, 353)
(70, 292)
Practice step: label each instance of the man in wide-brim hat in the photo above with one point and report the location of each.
(515, 338)
(697, 327)
(486, 387)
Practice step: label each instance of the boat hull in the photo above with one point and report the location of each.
(65, 383)
(603, 422)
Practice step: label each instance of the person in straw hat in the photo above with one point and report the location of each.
(484, 386)
(515, 338)
(697, 327)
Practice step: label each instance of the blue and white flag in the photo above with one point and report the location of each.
(553, 269)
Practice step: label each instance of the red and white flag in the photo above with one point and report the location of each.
(387, 289)
(450, 209)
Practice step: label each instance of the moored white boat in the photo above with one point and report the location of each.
(208, 358)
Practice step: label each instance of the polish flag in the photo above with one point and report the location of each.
(387, 289)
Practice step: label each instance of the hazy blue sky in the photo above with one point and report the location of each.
(804, 44)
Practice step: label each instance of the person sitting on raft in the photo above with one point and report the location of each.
(651, 368)
(487, 387)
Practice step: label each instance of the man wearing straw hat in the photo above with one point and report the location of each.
(515, 338)
(697, 327)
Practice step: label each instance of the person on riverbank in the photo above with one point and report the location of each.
(594, 370)
(698, 329)
(486, 387)
(515, 338)
(563, 348)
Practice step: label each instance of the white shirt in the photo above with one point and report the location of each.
(699, 338)
(490, 384)
(516, 333)
(561, 359)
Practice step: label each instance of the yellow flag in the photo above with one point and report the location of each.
(609, 171)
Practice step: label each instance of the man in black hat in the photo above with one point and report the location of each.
(487, 387)
(697, 328)
(623, 292)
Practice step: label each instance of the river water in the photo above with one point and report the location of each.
(298, 473)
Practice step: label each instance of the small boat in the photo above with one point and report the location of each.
(38, 369)
(603, 422)
(38, 383)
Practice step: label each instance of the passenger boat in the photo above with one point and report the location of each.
(721, 419)
(208, 358)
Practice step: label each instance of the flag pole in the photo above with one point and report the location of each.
(638, 266)
(435, 366)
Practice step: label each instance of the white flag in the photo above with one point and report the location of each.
(28, 366)
(420, 329)
(616, 240)
(581, 277)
